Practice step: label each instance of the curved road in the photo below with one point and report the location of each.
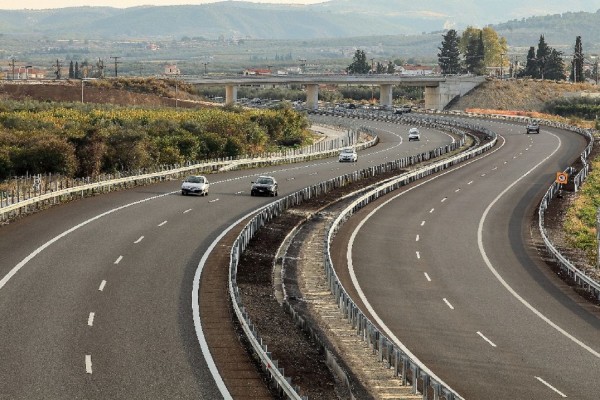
(95, 295)
(448, 267)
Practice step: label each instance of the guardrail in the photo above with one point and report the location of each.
(46, 195)
(577, 276)
(410, 365)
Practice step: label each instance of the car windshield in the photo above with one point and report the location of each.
(264, 181)
(195, 179)
(348, 151)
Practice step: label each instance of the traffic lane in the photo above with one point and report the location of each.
(419, 278)
(93, 271)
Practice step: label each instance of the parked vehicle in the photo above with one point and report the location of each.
(414, 134)
(264, 185)
(195, 184)
(348, 155)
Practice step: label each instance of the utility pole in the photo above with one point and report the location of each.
(205, 64)
(372, 65)
(57, 67)
(117, 62)
(100, 65)
(12, 64)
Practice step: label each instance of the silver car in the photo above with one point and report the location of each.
(195, 184)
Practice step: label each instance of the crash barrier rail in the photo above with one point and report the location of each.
(409, 366)
(42, 193)
(576, 275)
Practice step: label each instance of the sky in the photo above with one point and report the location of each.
(44, 4)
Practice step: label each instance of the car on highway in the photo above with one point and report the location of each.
(414, 134)
(264, 185)
(195, 184)
(348, 155)
(533, 126)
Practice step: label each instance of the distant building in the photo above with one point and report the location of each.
(153, 47)
(171, 69)
(409, 69)
(23, 72)
(256, 71)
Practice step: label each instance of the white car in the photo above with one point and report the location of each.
(196, 184)
(414, 134)
(348, 155)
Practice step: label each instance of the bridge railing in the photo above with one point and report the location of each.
(405, 364)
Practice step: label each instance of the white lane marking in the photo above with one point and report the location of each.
(486, 339)
(186, 211)
(422, 223)
(457, 190)
(162, 223)
(418, 255)
(240, 192)
(448, 303)
(314, 173)
(139, 240)
(91, 319)
(493, 270)
(354, 279)
(213, 201)
(482, 174)
(102, 284)
(88, 364)
(431, 211)
(118, 260)
(505, 162)
(495, 168)
(561, 394)
(417, 238)
(444, 199)
(469, 182)
(427, 276)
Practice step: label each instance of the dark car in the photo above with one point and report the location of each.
(264, 185)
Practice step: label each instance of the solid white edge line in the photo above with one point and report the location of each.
(488, 263)
(91, 319)
(354, 279)
(561, 394)
(88, 363)
(486, 339)
(118, 260)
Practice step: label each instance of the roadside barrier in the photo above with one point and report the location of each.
(406, 365)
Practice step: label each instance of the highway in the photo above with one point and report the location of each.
(95, 295)
(448, 267)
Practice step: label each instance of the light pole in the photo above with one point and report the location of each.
(502, 65)
(27, 67)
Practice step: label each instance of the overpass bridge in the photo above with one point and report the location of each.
(439, 90)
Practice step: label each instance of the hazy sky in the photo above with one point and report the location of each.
(42, 4)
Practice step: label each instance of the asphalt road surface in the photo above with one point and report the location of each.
(447, 267)
(95, 295)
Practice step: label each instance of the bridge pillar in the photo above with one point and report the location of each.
(385, 95)
(230, 94)
(312, 96)
(438, 97)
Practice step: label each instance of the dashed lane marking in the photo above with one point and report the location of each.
(486, 339)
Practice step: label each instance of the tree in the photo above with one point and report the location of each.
(555, 66)
(531, 66)
(71, 71)
(359, 63)
(577, 64)
(474, 55)
(391, 68)
(76, 74)
(495, 48)
(542, 56)
(380, 68)
(449, 53)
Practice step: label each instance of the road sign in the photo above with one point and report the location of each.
(562, 178)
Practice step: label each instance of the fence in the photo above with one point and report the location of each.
(406, 365)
